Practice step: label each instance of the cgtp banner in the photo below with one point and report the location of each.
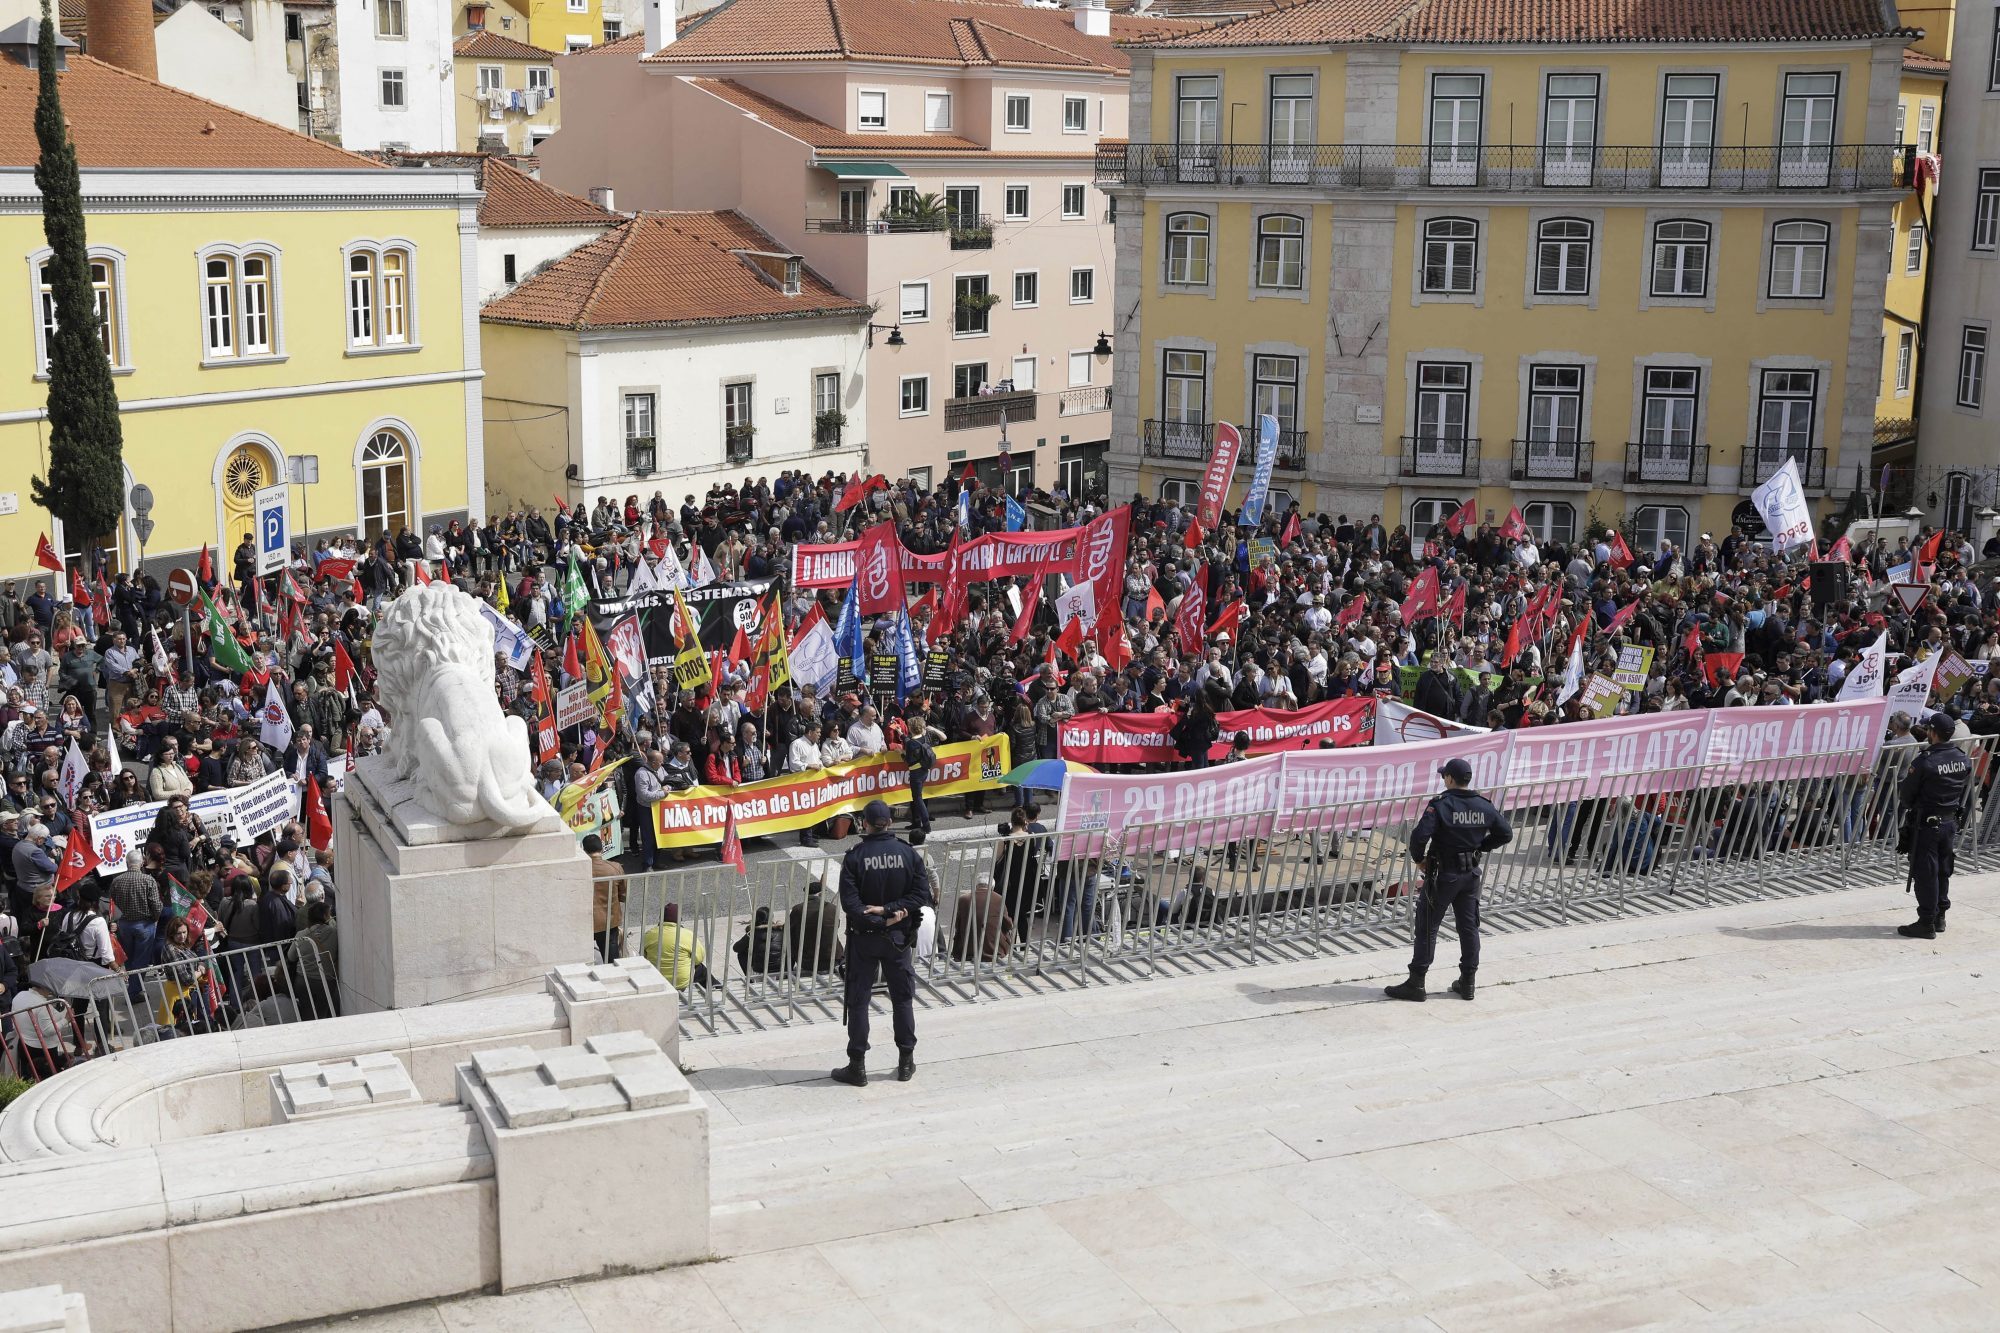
(1142, 738)
(996, 555)
(240, 812)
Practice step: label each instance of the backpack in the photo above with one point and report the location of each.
(68, 940)
(917, 753)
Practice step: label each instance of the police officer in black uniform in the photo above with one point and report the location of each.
(884, 887)
(1933, 792)
(1457, 826)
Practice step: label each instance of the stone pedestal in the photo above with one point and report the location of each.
(432, 911)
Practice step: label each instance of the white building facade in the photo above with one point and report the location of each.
(396, 85)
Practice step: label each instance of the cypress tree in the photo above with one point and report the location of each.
(86, 481)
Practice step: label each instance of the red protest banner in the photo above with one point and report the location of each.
(1142, 738)
(1215, 481)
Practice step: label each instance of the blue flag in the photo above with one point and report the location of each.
(850, 636)
(965, 509)
(1252, 512)
(909, 668)
(1017, 515)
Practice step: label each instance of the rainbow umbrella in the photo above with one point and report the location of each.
(1044, 774)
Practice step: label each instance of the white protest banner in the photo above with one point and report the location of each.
(276, 724)
(116, 832)
(815, 659)
(508, 640)
(1781, 503)
(573, 706)
(1911, 694)
(1396, 723)
(1077, 603)
(1870, 670)
(262, 805)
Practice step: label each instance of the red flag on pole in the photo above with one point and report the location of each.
(572, 663)
(45, 553)
(419, 572)
(1927, 549)
(1193, 538)
(1049, 659)
(732, 844)
(1193, 616)
(336, 567)
(1113, 643)
(444, 570)
(1454, 605)
(878, 572)
(1351, 612)
(857, 491)
(319, 828)
(1623, 614)
(970, 476)
(1463, 517)
(1030, 599)
(1226, 623)
(1512, 648)
(1516, 527)
(1421, 603)
(1621, 554)
(1841, 550)
(343, 667)
(79, 859)
(1071, 639)
(204, 569)
(78, 593)
(1291, 531)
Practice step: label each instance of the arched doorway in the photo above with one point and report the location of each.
(385, 483)
(247, 466)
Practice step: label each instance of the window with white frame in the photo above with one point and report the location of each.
(1281, 252)
(380, 314)
(1926, 126)
(1654, 525)
(1014, 203)
(916, 395)
(1022, 375)
(1451, 256)
(968, 378)
(385, 484)
(972, 305)
(1427, 513)
(1668, 410)
(1562, 257)
(1550, 522)
(492, 78)
(1076, 115)
(1027, 287)
(239, 306)
(1913, 254)
(1174, 491)
(1680, 258)
(1079, 369)
(390, 85)
(1902, 123)
(1274, 390)
(1972, 366)
(1187, 249)
(1017, 112)
(872, 110)
(640, 442)
(542, 79)
(1906, 355)
(1444, 403)
(106, 290)
(1555, 415)
(1785, 408)
(1798, 260)
(1082, 286)
(1986, 212)
(613, 30)
(916, 303)
(937, 111)
(389, 19)
(1072, 201)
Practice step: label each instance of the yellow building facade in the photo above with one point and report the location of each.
(1595, 277)
(1919, 122)
(506, 93)
(274, 309)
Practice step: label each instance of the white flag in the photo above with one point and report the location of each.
(1078, 603)
(1870, 671)
(277, 723)
(1572, 674)
(1912, 691)
(815, 656)
(1781, 503)
(701, 571)
(642, 578)
(74, 770)
(669, 573)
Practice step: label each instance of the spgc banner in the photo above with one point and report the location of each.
(794, 801)
(1145, 738)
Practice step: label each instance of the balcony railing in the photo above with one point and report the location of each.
(1552, 460)
(1079, 402)
(877, 226)
(1440, 456)
(1830, 168)
(1189, 441)
(827, 435)
(984, 410)
(971, 233)
(1760, 464)
(641, 455)
(1668, 464)
(736, 442)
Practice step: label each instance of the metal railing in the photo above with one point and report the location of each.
(885, 225)
(1553, 460)
(1188, 440)
(1440, 456)
(737, 442)
(1016, 913)
(260, 985)
(1666, 464)
(985, 410)
(1761, 464)
(1291, 450)
(971, 232)
(1082, 402)
(827, 436)
(1825, 168)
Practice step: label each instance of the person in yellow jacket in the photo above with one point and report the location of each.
(675, 950)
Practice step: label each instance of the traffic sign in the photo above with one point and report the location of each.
(274, 529)
(180, 587)
(1910, 595)
(142, 499)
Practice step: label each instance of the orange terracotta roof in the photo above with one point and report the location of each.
(790, 120)
(952, 33)
(1551, 22)
(119, 119)
(492, 46)
(665, 270)
(516, 199)
(1919, 62)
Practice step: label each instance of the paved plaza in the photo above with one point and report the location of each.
(1769, 1116)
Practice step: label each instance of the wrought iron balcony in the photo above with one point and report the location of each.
(1552, 460)
(641, 454)
(971, 232)
(984, 410)
(826, 435)
(1291, 450)
(1761, 463)
(1826, 168)
(884, 225)
(1188, 441)
(1080, 402)
(1440, 456)
(736, 442)
(1666, 464)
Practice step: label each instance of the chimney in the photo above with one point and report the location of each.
(659, 24)
(120, 32)
(602, 196)
(1092, 18)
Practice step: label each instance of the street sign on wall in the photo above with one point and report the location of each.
(274, 529)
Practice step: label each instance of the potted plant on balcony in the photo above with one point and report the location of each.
(971, 234)
(921, 212)
(827, 426)
(978, 303)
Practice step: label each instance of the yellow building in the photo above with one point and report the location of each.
(271, 305)
(506, 93)
(551, 25)
(1597, 261)
(1919, 122)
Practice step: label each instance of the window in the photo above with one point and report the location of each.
(1274, 390)
(238, 303)
(873, 111)
(795, 269)
(916, 306)
(492, 78)
(1076, 115)
(295, 27)
(1562, 257)
(1027, 287)
(916, 395)
(826, 392)
(967, 379)
(1680, 258)
(902, 198)
(392, 90)
(1550, 522)
(961, 203)
(1291, 127)
(1986, 215)
(1281, 252)
(1913, 255)
(1972, 367)
(1022, 376)
(1655, 525)
(937, 111)
(1805, 142)
(1444, 394)
(1428, 513)
(1906, 355)
(1014, 203)
(1187, 249)
(737, 430)
(1993, 65)
(542, 79)
(1798, 261)
(1569, 129)
(509, 270)
(219, 308)
(1017, 112)
(1926, 126)
(1072, 201)
(1555, 410)
(1784, 418)
(379, 314)
(613, 30)
(1079, 369)
(1182, 493)
(389, 18)
(639, 427)
(1667, 412)
(385, 485)
(1451, 255)
(256, 289)
(1196, 118)
(1687, 129)
(1902, 123)
(579, 6)
(574, 43)
(106, 280)
(972, 306)
(1456, 106)
(1184, 404)
(1082, 286)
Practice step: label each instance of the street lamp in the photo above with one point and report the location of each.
(1103, 348)
(895, 331)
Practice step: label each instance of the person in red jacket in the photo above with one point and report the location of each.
(722, 770)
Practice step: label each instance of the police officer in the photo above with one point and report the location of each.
(1933, 792)
(884, 887)
(1456, 827)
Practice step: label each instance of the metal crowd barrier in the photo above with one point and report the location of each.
(261, 985)
(1017, 913)
(43, 1039)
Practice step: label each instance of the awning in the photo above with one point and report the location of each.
(863, 171)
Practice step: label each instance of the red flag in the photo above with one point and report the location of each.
(1226, 623)
(1030, 599)
(1512, 648)
(1155, 604)
(1621, 554)
(1715, 662)
(1841, 551)
(878, 572)
(1100, 555)
(204, 569)
(562, 505)
(857, 491)
(1927, 549)
(1071, 639)
(355, 584)
(78, 593)
(1215, 481)
(1291, 531)
(1463, 517)
(343, 667)
(45, 553)
(289, 586)
(444, 570)
(970, 476)
(1421, 602)
(732, 844)
(1454, 605)
(1516, 527)
(1113, 643)
(927, 604)
(1193, 615)
(739, 646)
(572, 663)
(1192, 540)
(1619, 617)
(952, 603)
(1049, 659)
(319, 829)
(101, 608)
(79, 859)
(335, 567)
(421, 574)
(1692, 644)
(1351, 613)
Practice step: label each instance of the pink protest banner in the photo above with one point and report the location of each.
(996, 555)
(1215, 480)
(1142, 738)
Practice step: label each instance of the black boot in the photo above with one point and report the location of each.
(1462, 988)
(1920, 929)
(1413, 989)
(854, 1073)
(906, 1065)
(1937, 923)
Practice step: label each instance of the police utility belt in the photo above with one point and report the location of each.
(1455, 862)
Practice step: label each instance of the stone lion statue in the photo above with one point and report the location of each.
(433, 656)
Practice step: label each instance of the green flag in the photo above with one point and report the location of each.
(222, 644)
(576, 593)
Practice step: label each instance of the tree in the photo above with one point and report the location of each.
(85, 486)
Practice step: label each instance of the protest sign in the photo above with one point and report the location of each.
(1635, 663)
(573, 706)
(1143, 738)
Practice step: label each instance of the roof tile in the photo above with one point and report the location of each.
(485, 45)
(1579, 22)
(790, 120)
(516, 199)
